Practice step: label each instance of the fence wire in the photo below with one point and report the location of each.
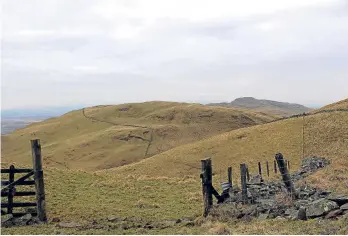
(273, 169)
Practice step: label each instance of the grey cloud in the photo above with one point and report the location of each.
(73, 55)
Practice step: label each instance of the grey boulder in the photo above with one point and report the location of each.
(344, 207)
(321, 207)
(339, 199)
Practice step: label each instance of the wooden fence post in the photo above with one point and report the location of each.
(247, 173)
(229, 173)
(285, 175)
(260, 172)
(267, 169)
(39, 180)
(243, 172)
(275, 167)
(10, 191)
(206, 185)
(289, 165)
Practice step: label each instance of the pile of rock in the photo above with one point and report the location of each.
(271, 200)
(310, 165)
(124, 223)
(9, 220)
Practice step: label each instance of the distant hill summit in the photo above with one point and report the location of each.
(262, 105)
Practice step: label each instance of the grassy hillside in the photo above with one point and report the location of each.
(325, 135)
(167, 186)
(89, 199)
(104, 137)
(334, 106)
(270, 107)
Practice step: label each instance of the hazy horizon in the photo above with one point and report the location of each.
(79, 106)
(60, 53)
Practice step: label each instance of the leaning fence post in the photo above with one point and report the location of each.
(267, 169)
(285, 174)
(206, 185)
(229, 173)
(39, 180)
(10, 190)
(243, 171)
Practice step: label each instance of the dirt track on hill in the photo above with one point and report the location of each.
(128, 125)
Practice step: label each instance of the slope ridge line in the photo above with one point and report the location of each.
(280, 119)
(308, 114)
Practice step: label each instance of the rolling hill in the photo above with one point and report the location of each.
(166, 186)
(334, 106)
(325, 135)
(267, 106)
(104, 137)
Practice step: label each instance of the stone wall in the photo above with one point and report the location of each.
(271, 200)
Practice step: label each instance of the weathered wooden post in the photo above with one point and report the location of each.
(206, 176)
(243, 171)
(39, 179)
(260, 172)
(275, 167)
(229, 173)
(285, 175)
(247, 173)
(267, 169)
(10, 191)
(289, 165)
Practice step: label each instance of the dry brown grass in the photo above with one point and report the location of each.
(148, 188)
(326, 135)
(219, 229)
(141, 231)
(147, 177)
(337, 105)
(74, 142)
(144, 204)
(194, 196)
(284, 199)
(126, 191)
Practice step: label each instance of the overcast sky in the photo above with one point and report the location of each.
(67, 52)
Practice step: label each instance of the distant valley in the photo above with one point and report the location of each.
(9, 125)
(13, 119)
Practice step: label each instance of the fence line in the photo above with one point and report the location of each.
(303, 115)
(208, 189)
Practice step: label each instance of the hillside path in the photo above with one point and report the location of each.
(127, 125)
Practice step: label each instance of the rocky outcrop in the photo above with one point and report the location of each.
(320, 207)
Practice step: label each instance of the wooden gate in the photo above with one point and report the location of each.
(9, 189)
